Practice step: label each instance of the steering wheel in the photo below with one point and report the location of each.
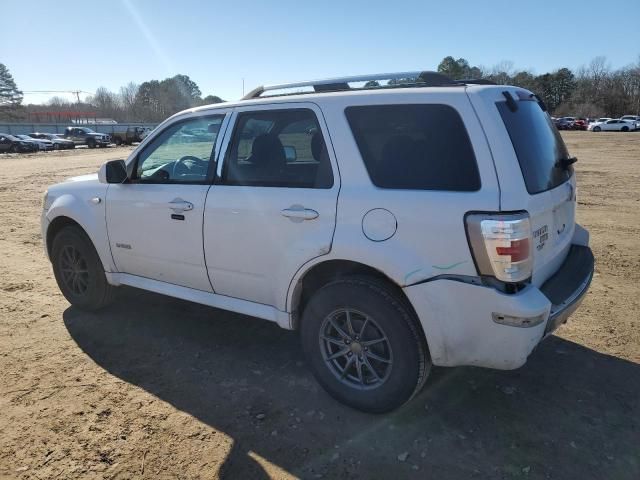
(180, 166)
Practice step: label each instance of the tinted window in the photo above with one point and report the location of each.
(181, 153)
(538, 145)
(420, 147)
(278, 148)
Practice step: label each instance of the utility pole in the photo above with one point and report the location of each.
(243, 86)
(77, 94)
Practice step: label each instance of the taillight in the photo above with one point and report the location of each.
(501, 245)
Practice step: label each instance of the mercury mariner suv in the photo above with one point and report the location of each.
(398, 221)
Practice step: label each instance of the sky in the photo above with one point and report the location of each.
(71, 45)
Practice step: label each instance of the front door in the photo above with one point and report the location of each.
(154, 220)
(273, 207)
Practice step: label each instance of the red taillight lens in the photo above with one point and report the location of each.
(501, 245)
(518, 250)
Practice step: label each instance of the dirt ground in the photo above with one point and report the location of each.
(160, 388)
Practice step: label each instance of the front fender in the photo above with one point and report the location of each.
(89, 213)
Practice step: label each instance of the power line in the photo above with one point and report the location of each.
(74, 92)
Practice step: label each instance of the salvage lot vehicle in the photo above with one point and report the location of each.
(42, 144)
(635, 119)
(128, 135)
(11, 144)
(58, 143)
(86, 136)
(615, 125)
(445, 191)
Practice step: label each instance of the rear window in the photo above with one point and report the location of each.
(538, 145)
(417, 147)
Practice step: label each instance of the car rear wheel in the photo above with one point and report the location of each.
(79, 271)
(625, 129)
(13, 149)
(364, 344)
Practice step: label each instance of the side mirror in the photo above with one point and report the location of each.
(114, 171)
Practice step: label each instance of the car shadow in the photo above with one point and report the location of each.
(571, 412)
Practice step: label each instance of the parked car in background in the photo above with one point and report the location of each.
(86, 136)
(615, 125)
(58, 143)
(565, 123)
(127, 135)
(600, 120)
(42, 144)
(11, 144)
(580, 124)
(635, 119)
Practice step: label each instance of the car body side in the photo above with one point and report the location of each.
(428, 257)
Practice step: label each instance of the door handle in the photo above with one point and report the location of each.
(178, 205)
(297, 213)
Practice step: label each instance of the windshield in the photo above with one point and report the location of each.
(538, 145)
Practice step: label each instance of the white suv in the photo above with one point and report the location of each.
(397, 221)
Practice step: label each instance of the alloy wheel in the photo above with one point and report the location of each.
(356, 349)
(75, 271)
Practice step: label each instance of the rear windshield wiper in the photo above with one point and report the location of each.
(565, 163)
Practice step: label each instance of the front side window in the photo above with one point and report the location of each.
(278, 148)
(180, 154)
(416, 147)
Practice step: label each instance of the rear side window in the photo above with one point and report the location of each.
(417, 147)
(538, 145)
(278, 148)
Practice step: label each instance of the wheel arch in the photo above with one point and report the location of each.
(326, 271)
(56, 225)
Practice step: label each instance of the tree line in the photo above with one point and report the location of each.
(594, 90)
(150, 101)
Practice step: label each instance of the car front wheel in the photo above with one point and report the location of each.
(79, 271)
(364, 344)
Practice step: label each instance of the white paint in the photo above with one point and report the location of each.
(236, 251)
(379, 225)
(244, 307)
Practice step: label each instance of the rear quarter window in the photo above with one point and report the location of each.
(416, 147)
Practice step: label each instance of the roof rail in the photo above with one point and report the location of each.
(402, 79)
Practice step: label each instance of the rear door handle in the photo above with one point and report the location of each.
(178, 205)
(297, 213)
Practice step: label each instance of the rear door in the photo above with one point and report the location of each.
(527, 149)
(273, 205)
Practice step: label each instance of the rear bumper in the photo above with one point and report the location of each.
(566, 289)
(458, 318)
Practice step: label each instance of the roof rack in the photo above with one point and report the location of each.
(396, 80)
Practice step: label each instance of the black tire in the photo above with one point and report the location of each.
(56, 146)
(73, 250)
(91, 143)
(13, 149)
(118, 141)
(624, 129)
(386, 315)
(596, 129)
